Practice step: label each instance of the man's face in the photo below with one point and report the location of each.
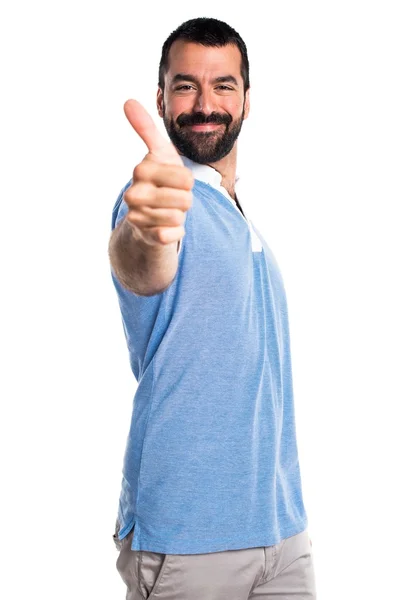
(203, 105)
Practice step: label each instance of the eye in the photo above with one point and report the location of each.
(224, 87)
(184, 87)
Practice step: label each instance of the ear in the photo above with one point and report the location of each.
(246, 104)
(160, 103)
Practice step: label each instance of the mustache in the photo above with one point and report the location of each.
(199, 118)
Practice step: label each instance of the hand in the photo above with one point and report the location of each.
(160, 193)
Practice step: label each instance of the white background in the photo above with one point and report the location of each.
(321, 153)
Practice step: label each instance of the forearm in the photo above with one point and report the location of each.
(141, 268)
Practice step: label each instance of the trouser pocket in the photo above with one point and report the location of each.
(117, 542)
(150, 571)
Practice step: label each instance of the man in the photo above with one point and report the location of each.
(211, 503)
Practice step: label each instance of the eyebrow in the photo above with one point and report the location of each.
(187, 77)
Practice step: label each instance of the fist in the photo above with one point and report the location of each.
(160, 193)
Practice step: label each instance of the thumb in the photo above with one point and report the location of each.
(145, 127)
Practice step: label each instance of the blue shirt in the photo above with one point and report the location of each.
(211, 460)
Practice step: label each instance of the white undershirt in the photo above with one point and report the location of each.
(208, 175)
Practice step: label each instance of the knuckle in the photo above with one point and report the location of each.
(140, 172)
(129, 196)
(138, 194)
(131, 200)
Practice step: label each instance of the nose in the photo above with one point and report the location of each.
(204, 102)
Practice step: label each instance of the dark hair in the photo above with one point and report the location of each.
(208, 32)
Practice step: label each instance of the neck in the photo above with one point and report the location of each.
(227, 169)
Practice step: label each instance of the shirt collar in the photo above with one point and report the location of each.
(207, 174)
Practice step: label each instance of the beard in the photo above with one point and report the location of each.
(203, 146)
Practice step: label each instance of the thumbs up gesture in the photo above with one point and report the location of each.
(160, 193)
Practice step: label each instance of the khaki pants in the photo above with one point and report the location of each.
(285, 570)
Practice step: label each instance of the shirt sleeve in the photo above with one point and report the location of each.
(120, 207)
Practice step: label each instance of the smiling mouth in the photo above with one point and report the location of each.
(205, 127)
